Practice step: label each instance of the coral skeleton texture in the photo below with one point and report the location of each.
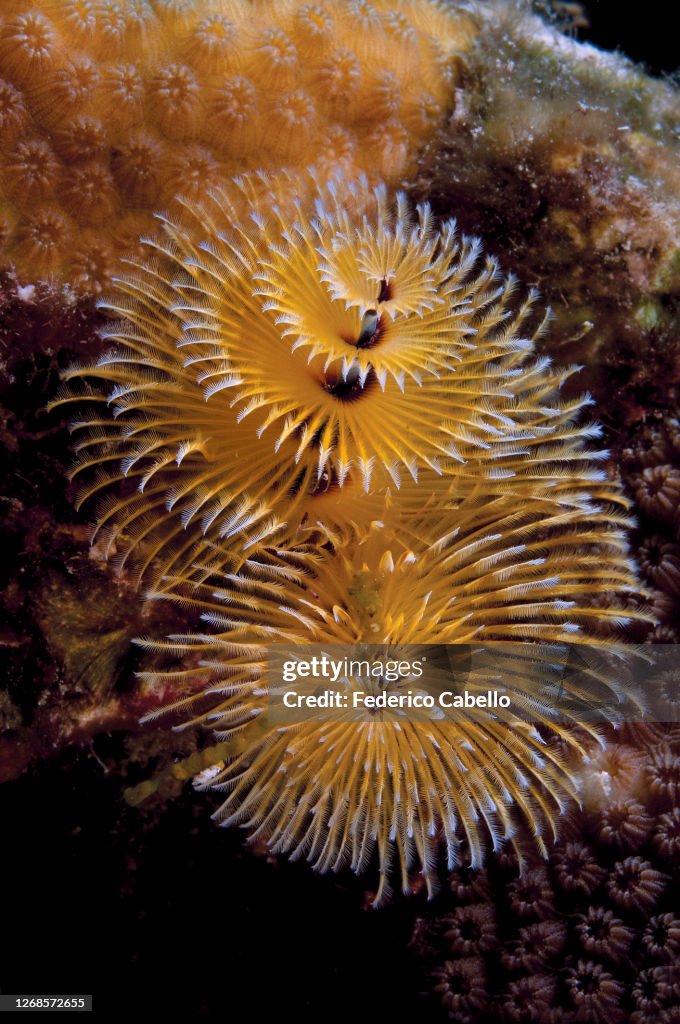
(109, 110)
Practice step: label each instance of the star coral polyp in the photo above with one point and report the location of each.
(263, 86)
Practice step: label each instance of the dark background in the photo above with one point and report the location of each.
(645, 32)
(173, 919)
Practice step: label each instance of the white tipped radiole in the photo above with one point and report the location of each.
(324, 423)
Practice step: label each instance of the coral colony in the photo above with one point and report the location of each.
(319, 416)
(110, 110)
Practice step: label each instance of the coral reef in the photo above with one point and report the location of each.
(565, 161)
(650, 465)
(108, 111)
(504, 528)
(569, 158)
(65, 625)
(129, 176)
(599, 944)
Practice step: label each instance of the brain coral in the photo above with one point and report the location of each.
(109, 110)
(363, 448)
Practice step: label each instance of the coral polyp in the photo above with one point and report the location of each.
(253, 87)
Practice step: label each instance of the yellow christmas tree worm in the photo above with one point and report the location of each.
(109, 110)
(336, 791)
(285, 369)
(321, 417)
(326, 422)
